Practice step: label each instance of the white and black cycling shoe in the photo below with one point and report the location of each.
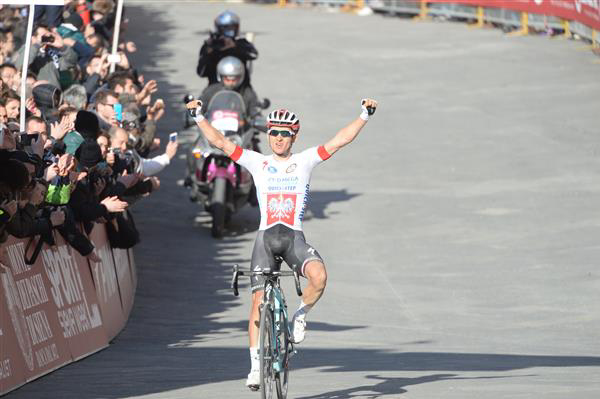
(253, 380)
(299, 331)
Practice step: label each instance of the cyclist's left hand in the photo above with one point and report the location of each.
(368, 107)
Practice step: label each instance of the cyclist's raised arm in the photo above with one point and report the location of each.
(349, 133)
(213, 136)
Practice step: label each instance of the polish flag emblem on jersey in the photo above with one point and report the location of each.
(281, 208)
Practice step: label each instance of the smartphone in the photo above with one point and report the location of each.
(119, 111)
(25, 138)
(173, 137)
(114, 58)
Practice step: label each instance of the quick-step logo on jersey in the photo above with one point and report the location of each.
(281, 208)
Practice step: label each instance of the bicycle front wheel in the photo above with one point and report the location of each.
(267, 377)
(281, 378)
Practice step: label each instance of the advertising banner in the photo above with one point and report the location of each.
(585, 11)
(28, 295)
(12, 364)
(124, 278)
(75, 299)
(133, 269)
(105, 281)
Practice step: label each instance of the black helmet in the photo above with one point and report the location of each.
(228, 24)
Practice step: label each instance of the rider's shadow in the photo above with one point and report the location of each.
(387, 386)
(320, 200)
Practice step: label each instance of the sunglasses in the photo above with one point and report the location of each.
(284, 133)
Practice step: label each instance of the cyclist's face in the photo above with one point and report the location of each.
(279, 144)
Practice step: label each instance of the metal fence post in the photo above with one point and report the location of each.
(567, 28)
(480, 17)
(524, 26)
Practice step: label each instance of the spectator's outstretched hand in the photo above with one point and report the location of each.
(146, 92)
(51, 172)
(171, 149)
(32, 107)
(114, 204)
(37, 146)
(156, 111)
(57, 218)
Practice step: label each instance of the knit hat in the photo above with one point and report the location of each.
(75, 20)
(47, 96)
(86, 124)
(89, 153)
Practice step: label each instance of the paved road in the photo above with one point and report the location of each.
(460, 230)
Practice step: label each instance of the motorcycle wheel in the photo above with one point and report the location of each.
(219, 207)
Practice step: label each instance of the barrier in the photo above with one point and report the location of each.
(570, 16)
(62, 308)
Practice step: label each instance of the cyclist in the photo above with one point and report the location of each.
(282, 183)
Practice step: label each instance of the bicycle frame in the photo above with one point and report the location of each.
(274, 295)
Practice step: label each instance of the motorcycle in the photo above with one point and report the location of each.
(216, 182)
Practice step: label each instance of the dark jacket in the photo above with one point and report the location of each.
(211, 53)
(25, 223)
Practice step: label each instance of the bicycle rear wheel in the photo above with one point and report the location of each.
(267, 377)
(281, 378)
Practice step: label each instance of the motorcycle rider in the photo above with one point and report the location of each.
(282, 180)
(231, 72)
(222, 43)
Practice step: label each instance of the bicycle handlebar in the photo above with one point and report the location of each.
(237, 273)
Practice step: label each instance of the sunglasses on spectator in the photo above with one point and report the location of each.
(284, 133)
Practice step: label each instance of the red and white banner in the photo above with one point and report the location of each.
(61, 308)
(75, 298)
(34, 318)
(105, 281)
(585, 11)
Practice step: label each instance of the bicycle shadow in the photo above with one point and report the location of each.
(389, 386)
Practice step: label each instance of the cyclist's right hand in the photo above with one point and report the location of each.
(194, 107)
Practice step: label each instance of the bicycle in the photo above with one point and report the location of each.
(275, 345)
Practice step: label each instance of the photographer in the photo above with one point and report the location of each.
(125, 144)
(222, 43)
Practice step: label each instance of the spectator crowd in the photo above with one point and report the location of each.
(88, 147)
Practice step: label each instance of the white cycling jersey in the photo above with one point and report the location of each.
(281, 186)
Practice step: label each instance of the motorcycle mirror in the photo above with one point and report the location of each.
(188, 98)
(266, 103)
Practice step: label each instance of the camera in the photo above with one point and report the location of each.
(125, 161)
(26, 139)
(47, 39)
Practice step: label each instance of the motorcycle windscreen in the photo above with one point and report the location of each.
(225, 110)
(225, 120)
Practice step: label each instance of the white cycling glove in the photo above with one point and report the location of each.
(366, 111)
(195, 112)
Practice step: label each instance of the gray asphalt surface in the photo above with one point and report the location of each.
(460, 230)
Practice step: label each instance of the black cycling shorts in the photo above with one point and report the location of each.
(280, 240)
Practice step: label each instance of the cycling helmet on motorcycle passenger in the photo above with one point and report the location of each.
(283, 118)
(228, 24)
(231, 67)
